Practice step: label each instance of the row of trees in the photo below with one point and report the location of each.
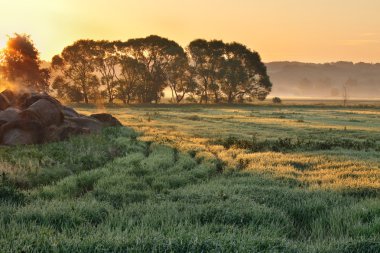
(139, 70)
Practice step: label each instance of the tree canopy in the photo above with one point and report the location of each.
(20, 63)
(141, 70)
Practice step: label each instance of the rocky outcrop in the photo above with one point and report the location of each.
(33, 118)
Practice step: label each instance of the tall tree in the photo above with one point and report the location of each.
(21, 64)
(180, 78)
(155, 53)
(131, 77)
(243, 74)
(66, 91)
(106, 63)
(206, 56)
(77, 67)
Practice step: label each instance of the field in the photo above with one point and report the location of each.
(192, 178)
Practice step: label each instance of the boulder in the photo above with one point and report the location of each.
(8, 115)
(106, 119)
(33, 118)
(21, 132)
(27, 99)
(60, 133)
(93, 125)
(44, 111)
(7, 98)
(69, 112)
(66, 132)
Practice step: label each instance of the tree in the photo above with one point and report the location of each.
(258, 84)
(106, 62)
(66, 91)
(156, 53)
(206, 56)
(230, 70)
(180, 77)
(140, 69)
(131, 77)
(77, 67)
(21, 62)
(234, 75)
(345, 95)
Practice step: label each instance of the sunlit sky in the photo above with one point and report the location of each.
(301, 30)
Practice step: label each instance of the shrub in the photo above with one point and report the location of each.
(276, 100)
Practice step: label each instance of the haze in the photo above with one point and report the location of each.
(307, 31)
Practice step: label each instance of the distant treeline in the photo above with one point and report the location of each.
(328, 80)
(139, 70)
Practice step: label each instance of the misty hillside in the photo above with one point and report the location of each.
(296, 79)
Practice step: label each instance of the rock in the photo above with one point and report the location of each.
(21, 132)
(60, 133)
(33, 118)
(7, 98)
(27, 99)
(69, 112)
(8, 115)
(44, 111)
(92, 124)
(106, 119)
(69, 131)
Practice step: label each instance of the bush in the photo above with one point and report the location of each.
(276, 100)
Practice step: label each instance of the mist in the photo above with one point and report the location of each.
(327, 81)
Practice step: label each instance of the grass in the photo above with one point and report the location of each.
(228, 182)
(336, 146)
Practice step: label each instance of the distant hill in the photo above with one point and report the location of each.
(310, 80)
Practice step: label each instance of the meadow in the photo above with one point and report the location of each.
(196, 178)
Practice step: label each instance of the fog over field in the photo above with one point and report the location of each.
(311, 80)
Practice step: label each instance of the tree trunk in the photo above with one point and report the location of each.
(216, 100)
(179, 98)
(85, 98)
(230, 98)
(84, 90)
(172, 94)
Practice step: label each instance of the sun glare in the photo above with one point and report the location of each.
(3, 42)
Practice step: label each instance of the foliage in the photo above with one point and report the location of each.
(276, 100)
(228, 70)
(76, 65)
(20, 63)
(156, 54)
(139, 70)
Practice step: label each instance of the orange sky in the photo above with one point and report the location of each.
(302, 30)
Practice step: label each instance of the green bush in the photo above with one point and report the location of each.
(276, 100)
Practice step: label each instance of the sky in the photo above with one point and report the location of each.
(292, 30)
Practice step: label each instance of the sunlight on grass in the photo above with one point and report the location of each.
(191, 129)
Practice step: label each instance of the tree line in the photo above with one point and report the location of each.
(139, 70)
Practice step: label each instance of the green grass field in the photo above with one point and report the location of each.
(192, 178)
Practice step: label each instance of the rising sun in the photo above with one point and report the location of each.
(3, 41)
